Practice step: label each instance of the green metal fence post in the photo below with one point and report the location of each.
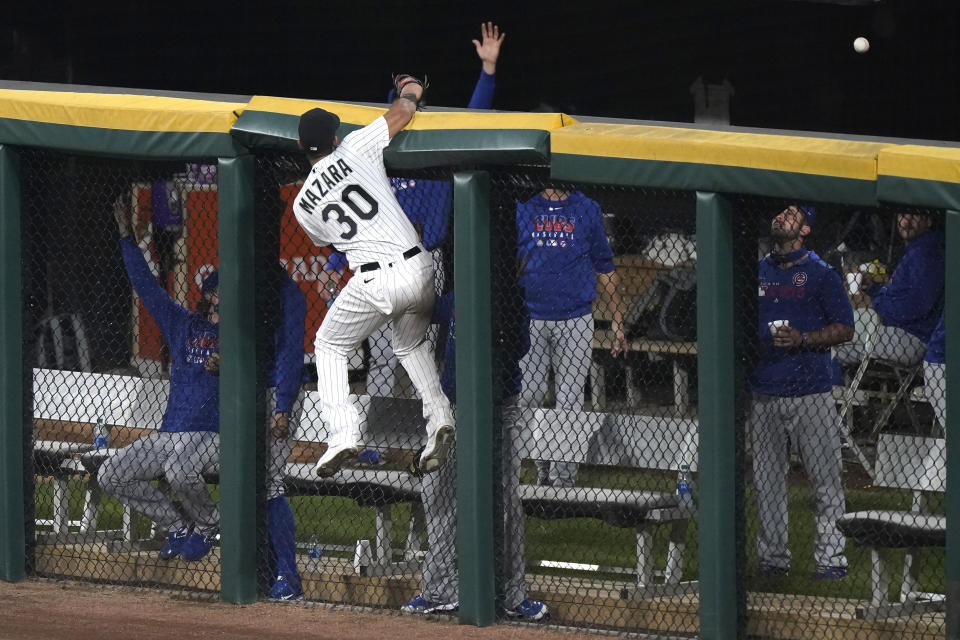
(717, 431)
(952, 428)
(238, 420)
(12, 515)
(475, 530)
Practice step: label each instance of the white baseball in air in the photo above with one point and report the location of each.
(861, 45)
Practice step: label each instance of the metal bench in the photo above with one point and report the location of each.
(919, 465)
(633, 441)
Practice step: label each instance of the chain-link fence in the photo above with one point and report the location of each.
(844, 516)
(121, 295)
(595, 317)
(594, 289)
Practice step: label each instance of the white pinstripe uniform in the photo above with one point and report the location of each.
(347, 201)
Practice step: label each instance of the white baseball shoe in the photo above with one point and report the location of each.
(437, 450)
(335, 457)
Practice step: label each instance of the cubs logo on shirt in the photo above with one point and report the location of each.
(800, 278)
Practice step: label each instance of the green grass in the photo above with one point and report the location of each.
(340, 521)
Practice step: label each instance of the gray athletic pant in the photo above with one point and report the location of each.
(565, 346)
(278, 448)
(811, 422)
(439, 495)
(935, 388)
(893, 345)
(181, 457)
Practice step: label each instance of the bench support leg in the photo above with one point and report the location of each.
(644, 557)
(91, 507)
(673, 572)
(61, 505)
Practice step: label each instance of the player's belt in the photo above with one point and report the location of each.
(373, 266)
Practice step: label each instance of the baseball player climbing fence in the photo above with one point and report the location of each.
(841, 400)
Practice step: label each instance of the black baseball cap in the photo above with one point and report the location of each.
(317, 130)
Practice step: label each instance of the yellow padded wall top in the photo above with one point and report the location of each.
(796, 154)
(119, 111)
(925, 163)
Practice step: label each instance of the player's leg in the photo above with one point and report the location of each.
(411, 290)
(572, 350)
(195, 453)
(128, 476)
(534, 369)
(818, 438)
(346, 325)
(440, 590)
(934, 388)
(896, 345)
(770, 446)
(515, 587)
(281, 527)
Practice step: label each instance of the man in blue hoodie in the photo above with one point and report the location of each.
(803, 312)
(186, 445)
(909, 306)
(563, 251)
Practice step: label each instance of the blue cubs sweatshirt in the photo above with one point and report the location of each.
(193, 404)
(913, 299)
(811, 295)
(562, 246)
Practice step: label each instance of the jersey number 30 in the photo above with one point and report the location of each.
(359, 202)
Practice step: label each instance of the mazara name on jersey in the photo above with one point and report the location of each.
(322, 183)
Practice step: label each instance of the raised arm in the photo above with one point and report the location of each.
(488, 51)
(400, 113)
(164, 311)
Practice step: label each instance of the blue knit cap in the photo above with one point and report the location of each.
(809, 212)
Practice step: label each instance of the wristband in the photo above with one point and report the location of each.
(411, 97)
(803, 338)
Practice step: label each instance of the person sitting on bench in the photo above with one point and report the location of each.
(909, 306)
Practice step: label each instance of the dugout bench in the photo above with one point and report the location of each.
(615, 441)
(916, 464)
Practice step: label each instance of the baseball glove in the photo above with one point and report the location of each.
(402, 80)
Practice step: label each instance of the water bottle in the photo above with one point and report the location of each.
(101, 434)
(314, 552)
(685, 488)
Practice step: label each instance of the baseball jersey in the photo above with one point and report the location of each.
(562, 246)
(347, 201)
(429, 202)
(811, 295)
(913, 299)
(937, 346)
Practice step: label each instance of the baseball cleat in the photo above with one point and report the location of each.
(529, 610)
(334, 458)
(175, 541)
(286, 588)
(196, 546)
(421, 606)
(437, 449)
